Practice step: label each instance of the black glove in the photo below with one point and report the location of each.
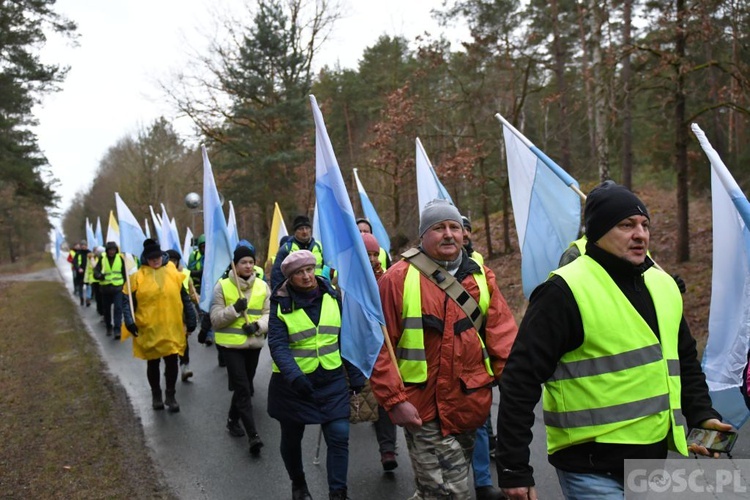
(251, 328)
(202, 336)
(680, 283)
(303, 387)
(98, 276)
(132, 329)
(241, 305)
(190, 327)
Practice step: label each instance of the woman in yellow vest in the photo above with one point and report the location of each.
(160, 302)
(308, 384)
(239, 315)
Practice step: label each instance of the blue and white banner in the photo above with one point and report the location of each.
(726, 351)
(547, 211)
(344, 250)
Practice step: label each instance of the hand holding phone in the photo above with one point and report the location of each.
(712, 440)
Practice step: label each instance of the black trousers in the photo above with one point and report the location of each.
(241, 366)
(170, 373)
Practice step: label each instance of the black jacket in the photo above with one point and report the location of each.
(553, 326)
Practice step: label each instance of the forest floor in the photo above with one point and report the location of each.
(662, 206)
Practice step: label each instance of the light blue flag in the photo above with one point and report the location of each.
(362, 315)
(429, 186)
(378, 230)
(187, 246)
(234, 236)
(729, 320)
(170, 240)
(157, 223)
(98, 233)
(219, 250)
(58, 243)
(547, 211)
(90, 236)
(131, 234)
(147, 228)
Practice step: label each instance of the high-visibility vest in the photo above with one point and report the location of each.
(412, 361)
(314, 345)
(382, 259)
(477, 257)
(232, 334)
(316, 250)
(112, 275)
(259, 272)
(186, 279)
(580, 243)
(622, 385)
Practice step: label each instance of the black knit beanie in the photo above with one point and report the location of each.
(606, 205)
(242, 251)
(301, 221)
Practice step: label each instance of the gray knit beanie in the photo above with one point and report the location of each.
(437, 211)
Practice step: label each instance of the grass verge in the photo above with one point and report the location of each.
(67, 430)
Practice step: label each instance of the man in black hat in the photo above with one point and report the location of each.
(302, 239)
(606, 337)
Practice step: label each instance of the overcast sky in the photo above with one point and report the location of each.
(126, 46)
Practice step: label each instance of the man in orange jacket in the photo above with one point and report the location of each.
(441, 390)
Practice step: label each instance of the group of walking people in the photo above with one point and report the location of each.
(603, 340)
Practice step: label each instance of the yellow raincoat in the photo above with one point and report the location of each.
(158, 313)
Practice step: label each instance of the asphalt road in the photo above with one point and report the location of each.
(200, 460)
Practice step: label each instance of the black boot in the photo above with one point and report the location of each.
(489, 493)
(171, 403)
(299, 489)
(255, 443)
(156, 402)
(338, 495)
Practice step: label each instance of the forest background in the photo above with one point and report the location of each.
(607, 89)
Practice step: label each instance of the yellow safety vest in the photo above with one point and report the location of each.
(259, 272)
(382, 259)
(622, 385)
(412, 362)
(233, 334)
(314, 345)
(113, 275)
(316, 250)
(477, 257)
(186, 281)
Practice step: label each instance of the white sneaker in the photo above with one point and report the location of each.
(186, 372)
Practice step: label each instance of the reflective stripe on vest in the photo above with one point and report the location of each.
(233, 334)
(622, 385)
(381, 258)
(412, 362)
(313, 345)
(317, 251)
(113, 275)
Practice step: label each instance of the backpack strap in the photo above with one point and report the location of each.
(447, 283)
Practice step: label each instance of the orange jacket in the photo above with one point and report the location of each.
(458, 389)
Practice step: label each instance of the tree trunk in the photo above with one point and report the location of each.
(600, 91)
(681, 138)
(627, 103)
(563, 128)
(586, 72)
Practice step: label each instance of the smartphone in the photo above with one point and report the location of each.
(712, 440)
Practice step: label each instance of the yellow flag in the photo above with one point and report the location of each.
(278, 230)
(113, 231)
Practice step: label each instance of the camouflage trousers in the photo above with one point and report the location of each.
(441, 463)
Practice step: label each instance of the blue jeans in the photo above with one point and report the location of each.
(580, 486)
(480, 460)
(336, 433)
